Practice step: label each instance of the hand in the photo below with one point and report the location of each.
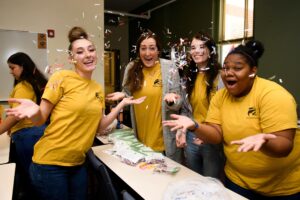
(197, 141)
(116, 96)
(180, 138)
(171, 98)
(26, 108)
(254, 142)
(180, 122)
(130, 100)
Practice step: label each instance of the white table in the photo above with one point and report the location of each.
(4, 148)
(147, 184)
(7, 174)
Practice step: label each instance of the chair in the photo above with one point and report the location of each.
(105, 187)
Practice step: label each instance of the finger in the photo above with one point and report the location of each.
(270, 136)
(257, 147)
(14, 100)
(174, 116)
(239, 142)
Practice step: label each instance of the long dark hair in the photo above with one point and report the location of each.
(30, 73)
(136, 78)
(190, 71)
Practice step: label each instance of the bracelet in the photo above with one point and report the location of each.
(196, 126)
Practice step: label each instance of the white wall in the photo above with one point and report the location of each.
(18, 41)
(60, 15)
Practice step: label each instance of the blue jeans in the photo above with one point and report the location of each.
(205, 159)
(51, 182)
(255, 196)
(25, 140)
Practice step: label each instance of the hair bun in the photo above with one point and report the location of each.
(257, 48)
(77, 33)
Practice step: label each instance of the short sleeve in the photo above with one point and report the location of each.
(54, 88)
(277, 111)
(214, 110)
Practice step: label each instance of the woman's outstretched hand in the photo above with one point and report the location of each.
(25, 109)
(130, 100)
(116, 96)
(179, 122)
(254, 142)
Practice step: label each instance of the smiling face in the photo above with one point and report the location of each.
(199, 52)
(235, 75)
(148, 52)
(15, 70)
(83, 55)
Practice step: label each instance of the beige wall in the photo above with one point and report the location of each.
(60, 15)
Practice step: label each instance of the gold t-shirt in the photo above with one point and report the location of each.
(267, 108)
(198, 98)
(22, 90)
(148, 114)
(78, 104)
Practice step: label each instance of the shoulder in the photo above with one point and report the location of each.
(267, 87)
(165, 62)
(23, 85)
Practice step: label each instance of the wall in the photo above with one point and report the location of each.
(182, 19)
(38, 16)
(277, 26)
(16, 41)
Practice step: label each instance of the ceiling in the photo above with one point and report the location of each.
(124, 5)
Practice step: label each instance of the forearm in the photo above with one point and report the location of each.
(108, 119)
(38, 119)
(278, 147)
(7, 124)
(208, 133)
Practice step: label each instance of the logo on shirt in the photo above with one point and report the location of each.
(157, 83)
(252, 112)
(99, 96)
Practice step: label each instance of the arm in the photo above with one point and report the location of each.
(208, 133)
(7, 124)
(28, 109)
(277, 144)
(108, 119)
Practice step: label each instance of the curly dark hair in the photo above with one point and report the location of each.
(251, 51)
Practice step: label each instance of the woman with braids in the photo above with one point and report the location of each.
(158, 79)
(256, 121)
(202, 80)
(29, 83)
(76, 104)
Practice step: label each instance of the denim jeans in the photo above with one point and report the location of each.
(51, 182)
(255, 196)
(205, 159)
(23, 143)
(25, 140)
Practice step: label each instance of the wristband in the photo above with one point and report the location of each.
(196, 126)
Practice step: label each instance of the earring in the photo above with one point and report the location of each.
(73, 61)
(252, 75)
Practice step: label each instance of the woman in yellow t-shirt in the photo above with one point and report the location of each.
(256, 121)
(29, 83)
(158, 79)
(202, 80)
(75, 103)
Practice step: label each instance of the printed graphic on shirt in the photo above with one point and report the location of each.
(157, 83)
(252, 112)
(99, 96)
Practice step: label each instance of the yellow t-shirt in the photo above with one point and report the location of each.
(267, 108)
(148, 114)
(198, 98)
(78, 104)
(22, 90)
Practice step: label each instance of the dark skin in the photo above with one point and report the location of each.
(238, 79)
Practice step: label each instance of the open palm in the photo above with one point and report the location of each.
(26, 108)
